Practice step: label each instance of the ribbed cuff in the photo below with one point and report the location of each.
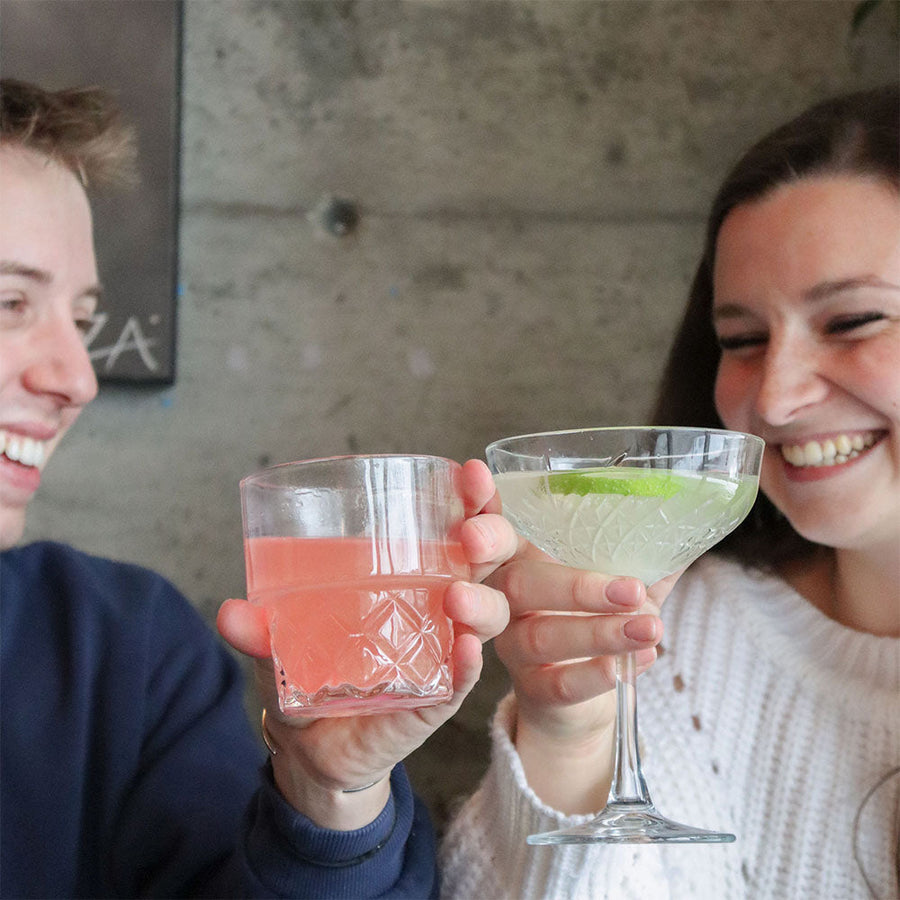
(290, 856)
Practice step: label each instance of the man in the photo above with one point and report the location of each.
(128, 768)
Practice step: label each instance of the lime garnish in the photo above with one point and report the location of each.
(636, 482)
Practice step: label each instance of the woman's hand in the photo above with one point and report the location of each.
(567, 626)
(317, 760)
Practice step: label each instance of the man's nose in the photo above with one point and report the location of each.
(60, 364)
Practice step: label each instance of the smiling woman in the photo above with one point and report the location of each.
(777, 700)
(844, 149)
(807, 312)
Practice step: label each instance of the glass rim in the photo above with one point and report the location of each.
(684, 429)
(343, 457)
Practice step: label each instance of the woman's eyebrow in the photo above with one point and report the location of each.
(729, 311)
(830, 288)
(815, 294)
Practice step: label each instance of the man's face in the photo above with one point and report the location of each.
(48, 291)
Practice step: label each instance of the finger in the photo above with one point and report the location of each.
(545, 639)
(533, 584)
(478, 489)
(660, 590)
(488, 541)
(467, 664)
(476, 609)
(570, 683)
(245, 626)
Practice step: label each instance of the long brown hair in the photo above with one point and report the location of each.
(856, 133)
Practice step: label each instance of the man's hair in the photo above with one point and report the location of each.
(79, 128)
(855, 134)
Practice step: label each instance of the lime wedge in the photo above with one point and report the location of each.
(636, 482)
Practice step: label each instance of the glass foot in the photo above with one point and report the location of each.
(622, 823)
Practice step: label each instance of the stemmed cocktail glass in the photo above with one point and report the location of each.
(637, 501)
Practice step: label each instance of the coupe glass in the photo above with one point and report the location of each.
(637, 501)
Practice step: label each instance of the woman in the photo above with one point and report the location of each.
(773, 709)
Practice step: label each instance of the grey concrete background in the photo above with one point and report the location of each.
(531, 180)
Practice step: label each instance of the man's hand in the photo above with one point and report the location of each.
(316, 761)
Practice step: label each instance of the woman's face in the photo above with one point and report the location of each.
(806, 306)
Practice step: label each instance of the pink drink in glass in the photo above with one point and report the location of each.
(351, 557)
(348, 637)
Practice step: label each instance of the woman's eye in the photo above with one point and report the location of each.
(845, 324)
(740, 341)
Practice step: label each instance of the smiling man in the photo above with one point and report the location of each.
(97, 737)
(128, 766)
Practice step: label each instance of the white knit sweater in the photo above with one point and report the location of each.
(762, 717)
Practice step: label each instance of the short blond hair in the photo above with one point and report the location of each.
(80, 128)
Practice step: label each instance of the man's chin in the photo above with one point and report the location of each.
(12, 527)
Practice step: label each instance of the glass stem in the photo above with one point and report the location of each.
(628, 785)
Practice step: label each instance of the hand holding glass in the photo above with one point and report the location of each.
(644, 502)
(351, 556)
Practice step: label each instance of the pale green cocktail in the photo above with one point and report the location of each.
(624, 521)
(643, 502)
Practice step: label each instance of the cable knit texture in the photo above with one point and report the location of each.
(762, 717)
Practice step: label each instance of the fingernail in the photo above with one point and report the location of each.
(624, 592)
(641, 629)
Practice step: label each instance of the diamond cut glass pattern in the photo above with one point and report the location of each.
(648, 537)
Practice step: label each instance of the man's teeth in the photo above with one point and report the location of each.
(830, 452)
(21, 449)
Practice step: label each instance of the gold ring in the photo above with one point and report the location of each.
(267, 738)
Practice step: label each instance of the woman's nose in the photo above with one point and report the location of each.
(791, 380)
(60, 364)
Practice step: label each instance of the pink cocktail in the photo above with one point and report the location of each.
(351, 557)
(343, 632)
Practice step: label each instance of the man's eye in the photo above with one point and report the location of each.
(13, 312)
(11, 304)
(86, 321)
(846, 324)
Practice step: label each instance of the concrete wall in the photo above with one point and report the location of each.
(531, 180)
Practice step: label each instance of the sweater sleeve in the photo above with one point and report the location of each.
(485, 854)
(287, 855)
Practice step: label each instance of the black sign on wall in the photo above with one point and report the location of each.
(133, 49)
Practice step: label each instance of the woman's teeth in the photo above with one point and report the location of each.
(831, 452)
(21, 449)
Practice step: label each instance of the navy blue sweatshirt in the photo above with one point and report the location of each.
(127, 764)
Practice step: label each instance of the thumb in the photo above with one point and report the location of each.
(245, 626)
